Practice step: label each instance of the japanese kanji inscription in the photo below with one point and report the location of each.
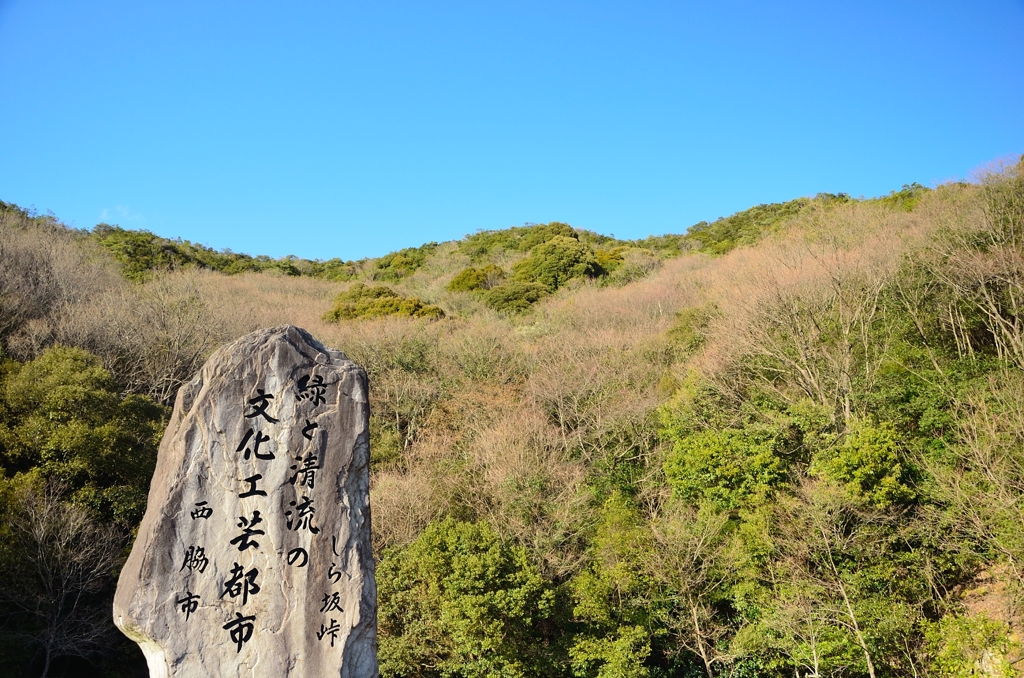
(254, 555)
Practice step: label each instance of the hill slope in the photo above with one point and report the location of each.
(787, 442)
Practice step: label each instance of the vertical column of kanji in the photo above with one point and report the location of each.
(311, 394)
(242, 582)
(195, 561)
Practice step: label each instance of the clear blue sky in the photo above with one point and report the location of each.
(347, 129)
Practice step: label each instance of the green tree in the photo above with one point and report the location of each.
(457, 602)
(871, 464)
(555, 262)
(615, 597)
(62, 418)
(727, 467)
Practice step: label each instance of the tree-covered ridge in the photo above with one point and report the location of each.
(141, 252)
(800, 456)
(545, 257)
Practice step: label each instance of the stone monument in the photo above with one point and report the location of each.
(254, 556)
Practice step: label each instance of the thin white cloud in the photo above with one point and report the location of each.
(122, 214)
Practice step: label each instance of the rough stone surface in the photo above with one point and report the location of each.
(214, 589)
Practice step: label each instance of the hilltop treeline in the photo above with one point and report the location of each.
(141, 253)
(788, 442)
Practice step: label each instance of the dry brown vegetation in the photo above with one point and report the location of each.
(504, 415)
(537, 423)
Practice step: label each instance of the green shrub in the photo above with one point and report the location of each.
(524, 238)
(555, 262)
(360, 301)
(870, 463)
(515, 239)
(334, 269)
(402, 263)
(472, 279)
(963, 647)
(459, 602)
(141, 252)
(728, 467)
(62, 419)
(608, 260)
(667, 246)
(514, 296)
(537, 235)
(467, 280)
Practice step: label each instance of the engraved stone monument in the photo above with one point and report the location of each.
(254, 556)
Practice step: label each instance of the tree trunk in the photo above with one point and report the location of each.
(849, 608)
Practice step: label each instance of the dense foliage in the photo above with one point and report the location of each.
(77, 457)
(141, 252)
(472, 279)
(744, 228)
(788, 442)
(62, 418)
(360, 301)
(464, 603)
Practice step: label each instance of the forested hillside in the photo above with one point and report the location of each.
(789, 442)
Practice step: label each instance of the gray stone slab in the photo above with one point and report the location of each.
(254, 557)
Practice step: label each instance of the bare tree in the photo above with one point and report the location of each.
(800, 618)
(811, 313)
(818, 528)
(47, 270)
(985, 487)
(687, 562)
(60, 560)
(153, 337)
(979, 257)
